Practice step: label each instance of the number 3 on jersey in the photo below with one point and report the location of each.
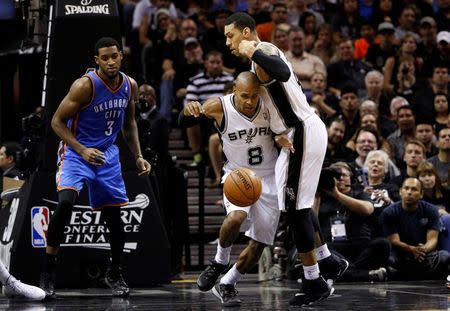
(255, 156)
(109, 128)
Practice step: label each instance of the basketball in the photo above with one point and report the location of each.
(242, 187)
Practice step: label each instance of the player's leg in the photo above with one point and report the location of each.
(114, 277)
(55, 235)
(229, 231)
(13, 288)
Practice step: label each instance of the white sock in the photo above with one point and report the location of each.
(311, 272)
(223, 254)
(232, 276)
(4, 273)
(322, 252)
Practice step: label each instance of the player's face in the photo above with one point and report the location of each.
(247, 98)
(234, 37)
(5, 161)
(109, 60)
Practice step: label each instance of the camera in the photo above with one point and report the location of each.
(405, 70)
(32, 123)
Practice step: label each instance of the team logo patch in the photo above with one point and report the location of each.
(39, 225)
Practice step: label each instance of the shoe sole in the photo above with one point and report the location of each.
(225, 304)
(323, 297)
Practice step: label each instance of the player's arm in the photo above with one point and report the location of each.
(79, 95)
(130, 132)
(267, 57)
(193, 111)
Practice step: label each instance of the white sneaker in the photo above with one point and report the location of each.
(16, 289)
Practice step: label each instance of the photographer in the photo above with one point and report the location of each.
(406, 77)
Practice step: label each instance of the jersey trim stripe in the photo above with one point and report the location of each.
(279, 96)
(294, 169)
(92, 93)
(106, 205)
(106, 85)
(258, 108)
(223, 127)
(129, 85)
(73, 126)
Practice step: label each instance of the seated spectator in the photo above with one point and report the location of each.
(336, 150)
(9, 152)
(370, 119)
(346, 22)
(406, 122)
(441, 111)
(406, 22)
(425, 134)
(309, 25)
(318, 95)
(412, 227)
(427, 47)
(366, 141)
(378, 53)
(280, 37)
(382, 193)
(324, 46)
(367, 37)
(413, 156)
(347, 70)
(441, 161)
(278, 15)
(343, 216)
(303, 63)
(377, 93)
(349, 107)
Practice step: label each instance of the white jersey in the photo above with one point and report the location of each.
(247, 142)
(288, 98)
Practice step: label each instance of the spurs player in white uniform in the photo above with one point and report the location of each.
(297, 173)
(243, 121)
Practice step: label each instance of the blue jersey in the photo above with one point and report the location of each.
(97, 124)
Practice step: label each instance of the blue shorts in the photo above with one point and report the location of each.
(105, 183)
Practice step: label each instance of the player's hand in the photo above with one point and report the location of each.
(93, 156)
(247, 48)
(283, 141)
(143, 166)
(193, 108)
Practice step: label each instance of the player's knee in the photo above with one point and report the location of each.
(256, 247)
(234, 220)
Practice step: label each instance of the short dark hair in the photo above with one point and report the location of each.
(213, 53)
(12, 149)
(104, 42)
(241, 20)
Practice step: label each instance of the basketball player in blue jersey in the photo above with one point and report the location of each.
(97, 107)
(297, 173)
(243, 121)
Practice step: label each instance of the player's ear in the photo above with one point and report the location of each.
(96, 59)
(246, 32)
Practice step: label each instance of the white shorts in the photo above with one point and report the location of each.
(297, 174)
(263, 216)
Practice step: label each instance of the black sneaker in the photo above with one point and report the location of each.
(333, 267)
(313, 291)
(47, 283)
(114, 279)
(227, 294)
(209, 277)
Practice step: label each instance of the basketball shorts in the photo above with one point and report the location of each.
(297, 174)
(105, 183)
(262, 217)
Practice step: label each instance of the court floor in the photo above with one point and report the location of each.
(271, 295)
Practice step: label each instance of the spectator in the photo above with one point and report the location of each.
(427, 48)
(425, 134)
(367, 38)
(280, 37)
(346, 21)
(324, 46)
(443, 46)
(384, 126)
(326, 102)
(379, 52)
(210, 83)
(349, 106)
(278, 16)
(424, 97)
(414, 155)
(347, 70)
(412, 227)
(406, 22)
(383, 11)
(303, 63)
(441, 161)
(309, 25)
(441, 111)
(406, 123)
(343, 215)
(298, 9)
(433, 191)
(9, 154)
(395, 104)
(336, 150)
(407, 52)
(374, 82)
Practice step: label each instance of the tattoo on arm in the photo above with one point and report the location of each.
(268, 49)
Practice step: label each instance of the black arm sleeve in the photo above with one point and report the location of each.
(188, 121)
(273, 65)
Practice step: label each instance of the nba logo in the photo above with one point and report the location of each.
(39, 226)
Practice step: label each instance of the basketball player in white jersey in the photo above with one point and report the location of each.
(243, 122)
(297, 174)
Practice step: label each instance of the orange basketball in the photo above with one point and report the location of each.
(242, 187)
